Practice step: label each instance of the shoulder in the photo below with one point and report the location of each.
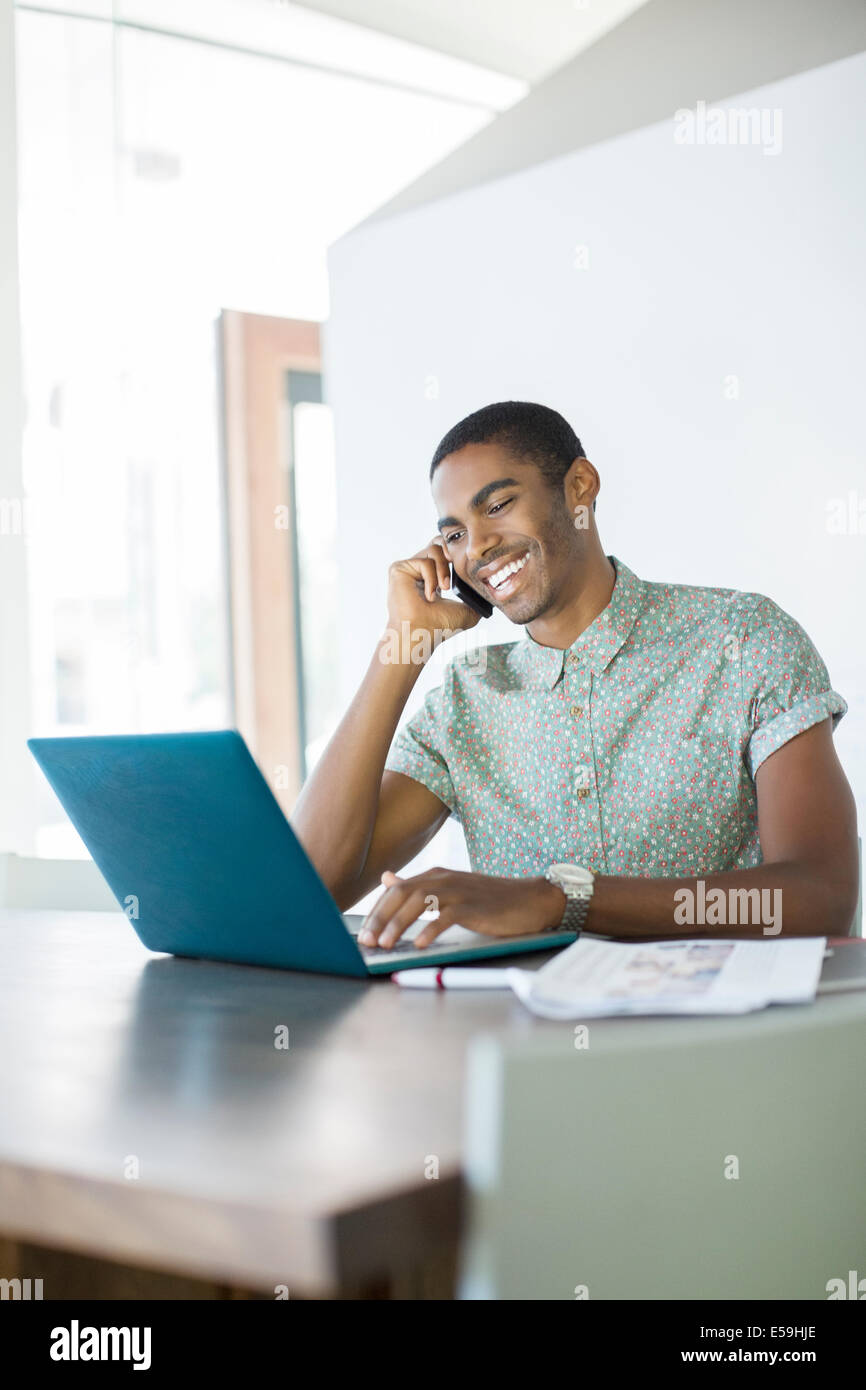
(486, 667)
(703, 609)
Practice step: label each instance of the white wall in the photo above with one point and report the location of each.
(704, 263)
(668, 54)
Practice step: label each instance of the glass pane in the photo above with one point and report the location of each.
(161, 181)
(315, 483)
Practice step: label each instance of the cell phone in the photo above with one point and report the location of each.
(471, 597)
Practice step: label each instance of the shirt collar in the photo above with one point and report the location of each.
(599, 644)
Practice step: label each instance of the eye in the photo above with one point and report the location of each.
(453, 538)
(497, 506)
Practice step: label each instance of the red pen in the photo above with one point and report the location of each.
(452, 977)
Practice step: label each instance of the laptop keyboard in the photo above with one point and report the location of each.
(401, 945)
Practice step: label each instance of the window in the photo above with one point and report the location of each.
(162, 179)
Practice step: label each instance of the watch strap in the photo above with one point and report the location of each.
(575, 914)
(576, 905)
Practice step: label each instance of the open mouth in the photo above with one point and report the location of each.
(505, 580)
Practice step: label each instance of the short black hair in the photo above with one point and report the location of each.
(532, 433)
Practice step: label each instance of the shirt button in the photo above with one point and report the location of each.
(576, 711)
(581, 791)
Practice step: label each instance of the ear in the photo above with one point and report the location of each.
(582, 485)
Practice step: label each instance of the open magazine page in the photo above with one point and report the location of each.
(595, 977)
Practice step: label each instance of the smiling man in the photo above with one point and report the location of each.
(643, 745)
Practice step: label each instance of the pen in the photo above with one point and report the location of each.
(451, 977)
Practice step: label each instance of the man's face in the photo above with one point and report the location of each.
(496, 513)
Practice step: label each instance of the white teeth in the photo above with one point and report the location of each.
(500, 576)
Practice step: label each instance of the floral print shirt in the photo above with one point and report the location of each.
(634, 751)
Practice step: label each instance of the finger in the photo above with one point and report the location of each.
(403, 916)
(434, 553)
(435, 928)
(428, 575)
(387, 906)
(382, 911)
(391, 880)
(440, 556)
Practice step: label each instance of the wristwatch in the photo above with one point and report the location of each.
(577, 884)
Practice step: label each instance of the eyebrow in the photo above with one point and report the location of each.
(478, 500)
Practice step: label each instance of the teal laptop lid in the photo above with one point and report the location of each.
(194, 846)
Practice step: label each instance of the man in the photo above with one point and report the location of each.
(645, 747)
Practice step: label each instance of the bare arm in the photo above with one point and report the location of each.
(807, 826)
(353, 818)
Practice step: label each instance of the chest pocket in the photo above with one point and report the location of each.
(685, 815)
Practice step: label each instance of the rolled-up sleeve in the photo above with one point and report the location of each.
(785, 685)
(418, 749)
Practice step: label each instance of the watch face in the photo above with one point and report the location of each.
(571, 875)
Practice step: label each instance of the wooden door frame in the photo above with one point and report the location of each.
(256, 352)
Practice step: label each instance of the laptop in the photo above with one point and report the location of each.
(193, 844)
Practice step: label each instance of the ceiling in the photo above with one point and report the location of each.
(526, 39)
(485, 53)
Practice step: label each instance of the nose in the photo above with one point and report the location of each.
(481, 543)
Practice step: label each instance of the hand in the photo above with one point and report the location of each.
(415, 589)
(492, 906)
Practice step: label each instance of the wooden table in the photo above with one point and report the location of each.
(155, 1142)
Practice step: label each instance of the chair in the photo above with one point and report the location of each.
(687, 1158)
(72, 884)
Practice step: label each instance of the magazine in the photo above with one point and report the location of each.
(595, 977)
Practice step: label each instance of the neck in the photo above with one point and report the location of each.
(584, 595)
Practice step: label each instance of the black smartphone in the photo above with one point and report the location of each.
(471, 597)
